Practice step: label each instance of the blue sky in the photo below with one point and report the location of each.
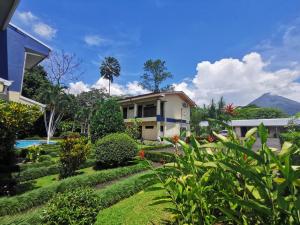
(202, 42)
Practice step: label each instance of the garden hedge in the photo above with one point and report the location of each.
(156, 147)
(161, 157)
(26, 166)
(108, 196)
(34, 173)
(15, 204)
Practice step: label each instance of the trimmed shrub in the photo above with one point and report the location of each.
(73, 152)
(79, 206)
(34, 173)
(44, 158)
(26, 166)
(13, 205)
(157, 147)
(115, 149)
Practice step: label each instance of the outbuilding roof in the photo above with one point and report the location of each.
(276, 122)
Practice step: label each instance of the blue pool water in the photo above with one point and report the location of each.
(27, 143)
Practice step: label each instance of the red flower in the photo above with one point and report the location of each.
(230, 109)
(211, 138)
(142, 154)
(175, 139)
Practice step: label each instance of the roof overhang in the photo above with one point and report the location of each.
(33, 59)
(7, 83)
(7, 9)
(150, 96)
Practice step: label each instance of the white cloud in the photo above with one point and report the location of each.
(131, 88)
(44, 30)
(95, 40)
(26, 17)
(35, 24)
(240, 81)
(78, 87)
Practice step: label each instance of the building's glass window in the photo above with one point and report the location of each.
(124, 112)
(140, 111)
(149, 127)
(150, 110)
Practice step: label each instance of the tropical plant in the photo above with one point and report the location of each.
(79, 206)
(74, 151)
(33, 153)
(57, 105)
(229, 183)
(254, 112)
(155, 74)
(110, 68)
(115, 149)
(14, 117)
(106, 119)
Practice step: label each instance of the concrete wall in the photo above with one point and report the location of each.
(149, 134)
(174, 108)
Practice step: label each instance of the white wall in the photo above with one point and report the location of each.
(174, 108)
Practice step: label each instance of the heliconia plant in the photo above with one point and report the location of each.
(228, 182)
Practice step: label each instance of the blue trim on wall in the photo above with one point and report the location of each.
(159, 118)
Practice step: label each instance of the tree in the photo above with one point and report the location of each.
(106, 119)
(57, 105)
(110, 68)
(61, 68)
(254, 112)
(34, 80)
(86, 105)
(155, 73)
(14, 117)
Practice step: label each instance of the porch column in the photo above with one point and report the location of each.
(135, 110)
(158, 114)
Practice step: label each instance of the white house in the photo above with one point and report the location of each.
(163, 114)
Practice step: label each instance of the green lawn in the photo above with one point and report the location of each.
(135, 210)
(47, 180)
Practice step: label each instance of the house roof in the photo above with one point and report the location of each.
(7, 9)
(181, 94)
(276, 122)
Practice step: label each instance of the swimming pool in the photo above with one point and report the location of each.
(27, 143)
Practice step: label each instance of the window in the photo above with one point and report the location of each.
(140, 111)
(124, 112)
(149, 127)
(161, 128)
(162, 110)
(131, 107)
(150, 110)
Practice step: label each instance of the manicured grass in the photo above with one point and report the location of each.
(47, 180)
(135, 210)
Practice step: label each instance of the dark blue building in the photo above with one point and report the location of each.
(18, 51)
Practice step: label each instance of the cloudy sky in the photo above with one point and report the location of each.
(236, 49)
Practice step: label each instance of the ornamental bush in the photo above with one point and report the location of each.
(73, 153)
(115, 149)
(14, 117)
(79, 206)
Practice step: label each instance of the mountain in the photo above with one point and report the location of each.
(275, 101)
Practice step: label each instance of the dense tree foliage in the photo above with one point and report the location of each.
(110, 68)
(106, 119)
(35, 80)
(254, 112)
(155, 74)
(14, 117)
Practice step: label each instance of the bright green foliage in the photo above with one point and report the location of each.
(79, 206)
(107, 119)
(229, 183)
(73, 152)
(254, 112)
(33, 153)
(133, 129)
(14, 117)
(115, 149)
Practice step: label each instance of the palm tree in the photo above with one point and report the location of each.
(110, 68)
